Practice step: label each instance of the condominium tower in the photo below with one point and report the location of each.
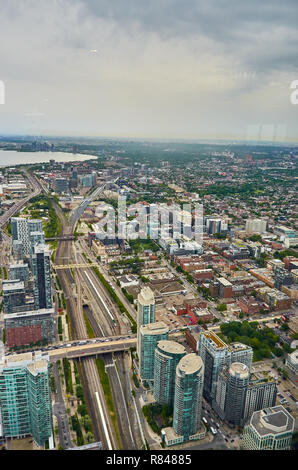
(25, 396)
(149, 336)
(167, 356)
(188, 396)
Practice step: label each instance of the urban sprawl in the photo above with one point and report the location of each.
(123, 330)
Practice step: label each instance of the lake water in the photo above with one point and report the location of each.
(12, 157)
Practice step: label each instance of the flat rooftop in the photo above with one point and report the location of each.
(190, 364)
(214, 338)
(273, 420)
(155, 328)
(146, 296)
(240, 369)
(171, 347)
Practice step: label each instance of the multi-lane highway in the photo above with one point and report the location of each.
(100, 346)
(87, 365)
(4, 219)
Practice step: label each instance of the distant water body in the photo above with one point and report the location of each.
(12, 157)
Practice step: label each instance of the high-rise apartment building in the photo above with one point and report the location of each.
(216, 354)
(239, 352)
(269, 429)
(235, 383)
(149, 336)
(167, 356)
(21, 230)
(25, 396)
(261, 394)
(188, 396)
(40, 264)
(146, 310)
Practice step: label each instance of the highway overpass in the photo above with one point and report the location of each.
(91, 349)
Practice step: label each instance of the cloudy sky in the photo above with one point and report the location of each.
(158, 68)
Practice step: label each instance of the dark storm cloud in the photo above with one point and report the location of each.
(261, 34)
(160, 66)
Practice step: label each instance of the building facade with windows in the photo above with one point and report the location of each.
(167, 356)
(188, 396)
(269, 429)
(150, 335)
(25, 396)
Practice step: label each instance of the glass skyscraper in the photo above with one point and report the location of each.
(188, 396)
(167, 357)
(146, 311)
(150, 335)
(25, 396)
(40, 263)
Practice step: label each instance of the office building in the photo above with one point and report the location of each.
(167, 357)
(25, 396)
(188, 396)
(40, 264)
(269, 429)
(149, 336)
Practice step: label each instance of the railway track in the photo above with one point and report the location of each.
(93, 392)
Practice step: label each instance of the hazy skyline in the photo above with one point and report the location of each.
(163, 69)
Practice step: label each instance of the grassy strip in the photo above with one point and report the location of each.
(89, 328)
(105, 382)
(67, 375)
(115, 298)
(75, 423)
(60, 329)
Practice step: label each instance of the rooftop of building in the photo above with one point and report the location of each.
(239, 347)
(146, 296)
(224, 281)
(155, 328)
(272, 421)
(171, 347)
(38, 366)
(239, 369)
(219, 343)
(14, 285)
(190, 364)
(30, 313)
(17, 358)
